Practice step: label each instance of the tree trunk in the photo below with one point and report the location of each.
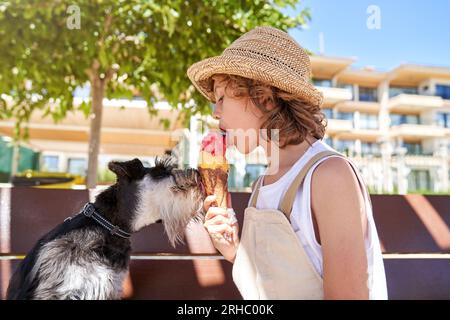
(97, 91)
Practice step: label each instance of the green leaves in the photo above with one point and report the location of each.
(143, 46)
(165, 123)
(85, 107)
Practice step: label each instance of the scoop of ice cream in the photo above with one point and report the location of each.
(214, 143)
(212, 151)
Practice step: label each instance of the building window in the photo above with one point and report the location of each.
(345, 116)
(322, 82)
(413, 148)
(345, 146)
(397, 119)
(419, 180)
(370, 148)
(443, 119)
(50, 163)
(368, 121)
(328, 113)
(395, 91)
(77, 166)
(443, 91)
(232, 184)
(368, 94)
(252, 172)
(345, 86)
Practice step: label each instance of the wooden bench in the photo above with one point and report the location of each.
(414, 233)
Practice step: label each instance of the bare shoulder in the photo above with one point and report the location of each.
(335, 181)
(333, 172)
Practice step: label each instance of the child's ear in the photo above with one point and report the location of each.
(130, 170)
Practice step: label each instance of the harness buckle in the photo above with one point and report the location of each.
(88, 210)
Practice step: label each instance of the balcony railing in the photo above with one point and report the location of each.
(408, 102)
(333, 95)
(419, 130)
(338, 125)
(362, 106)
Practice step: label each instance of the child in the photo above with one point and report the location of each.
(308, 232)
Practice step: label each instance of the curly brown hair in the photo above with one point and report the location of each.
(294, 118)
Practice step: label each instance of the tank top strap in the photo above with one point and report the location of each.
(254, 196)
(287, 201)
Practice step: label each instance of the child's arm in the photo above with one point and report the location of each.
(338, 205)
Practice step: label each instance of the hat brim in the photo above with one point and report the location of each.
(201, 72)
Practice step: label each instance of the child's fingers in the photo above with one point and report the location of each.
(219, 230)
(209, 201)
(219, 219)
(215, 211)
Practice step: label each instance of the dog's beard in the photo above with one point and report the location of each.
(175, 209)
(177, 214)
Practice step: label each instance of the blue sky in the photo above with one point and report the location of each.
(411, 31)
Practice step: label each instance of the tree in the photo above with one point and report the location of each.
(51, 47)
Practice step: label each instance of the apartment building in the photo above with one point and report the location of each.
(394, 124)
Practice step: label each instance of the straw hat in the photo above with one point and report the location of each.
(266, 54)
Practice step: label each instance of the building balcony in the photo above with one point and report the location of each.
(426, 161)
(119, 113)
(375, 160)
(365, 134)
(370, 135)
(334, 95)
(362, 106)
(414, 102)
(338, 125)
(416, 130)
(127, 129)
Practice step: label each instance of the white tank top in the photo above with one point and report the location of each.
(301, 218)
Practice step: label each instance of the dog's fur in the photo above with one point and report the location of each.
(80, 259)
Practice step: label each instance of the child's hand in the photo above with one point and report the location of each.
(222, 227)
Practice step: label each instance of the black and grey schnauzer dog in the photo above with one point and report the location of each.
(87, 256)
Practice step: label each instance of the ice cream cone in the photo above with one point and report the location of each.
(213, 167)
(215, 182)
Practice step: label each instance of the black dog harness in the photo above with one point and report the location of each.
(90, 212)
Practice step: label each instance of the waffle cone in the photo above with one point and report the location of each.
(215, 181)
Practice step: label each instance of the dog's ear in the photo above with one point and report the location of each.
(130, 170)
